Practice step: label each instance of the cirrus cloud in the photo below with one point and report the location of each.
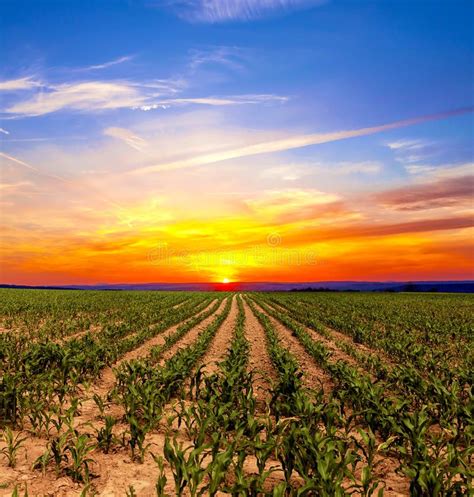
(215, 11)
(101, 95)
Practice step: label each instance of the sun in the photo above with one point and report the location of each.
(226, 280)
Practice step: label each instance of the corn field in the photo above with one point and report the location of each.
(240, 394)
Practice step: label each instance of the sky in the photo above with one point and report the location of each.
(236, 140)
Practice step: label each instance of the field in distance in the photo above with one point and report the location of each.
(241, 394)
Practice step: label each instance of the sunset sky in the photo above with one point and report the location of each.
(246, 140)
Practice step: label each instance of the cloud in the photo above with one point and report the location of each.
(419, 226)
(225, 56)
(215, 11)
(346, 167)
(291, 199)
(127, 136)
(19, 84)
(45, 139)
(443, 192)
(291, 142)
(285, 173)
(105, 65)
(10, 187)
(97, 95)
(440, 171)
(404, 145)
(293, 172)
(411, 152)
(214, 101)
(27, 165)
(294, 204)
(360, 230)
(85, 96)
(4, 131)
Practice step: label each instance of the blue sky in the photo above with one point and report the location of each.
(138, 98)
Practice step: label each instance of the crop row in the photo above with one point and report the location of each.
(45, 373)
(445, 398)
(436, 461)
(431, 338)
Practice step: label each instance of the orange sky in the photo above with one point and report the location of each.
(115, 228)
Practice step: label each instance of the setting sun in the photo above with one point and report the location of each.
(226, 280)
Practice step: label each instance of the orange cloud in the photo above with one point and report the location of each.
(445, 192)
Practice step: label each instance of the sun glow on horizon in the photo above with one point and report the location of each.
(225, 281)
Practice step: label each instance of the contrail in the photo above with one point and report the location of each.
(34, 168)
(292, 143)
(75, 183)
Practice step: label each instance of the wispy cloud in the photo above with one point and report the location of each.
(105, 65)
(90, 95)
(27, 165)
(404, 145)
(214, 101)
(127, 136)
(292, 204)
(52, 138)
(231, 57)
(100, 95)
(291, 142)
(4, 131)
(410, 153)
(214, 11)
(13, 187)
(293, 172)
(441, 170)
(26, 83)
(342, 168)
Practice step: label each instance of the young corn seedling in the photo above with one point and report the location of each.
(105, 436)
(161, 481)
(367, 445)
(16, 492)
(79, 447)
(100, 403)
(187, 466)
(56, 451)
(130, 491)
(13, 445)
(138, 433)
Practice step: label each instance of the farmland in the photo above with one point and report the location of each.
(241, 394)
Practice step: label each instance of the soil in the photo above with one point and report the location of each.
(259, 360)
(191, 335)
(220, 343)
(313, 376)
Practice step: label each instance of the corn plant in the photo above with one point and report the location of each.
(105, 436)
(187, 466)
(13, 445)
(79, 446)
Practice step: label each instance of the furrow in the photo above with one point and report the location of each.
(259, 360)
(220, 343)
(314, 376)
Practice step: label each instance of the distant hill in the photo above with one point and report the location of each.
(359, 286)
